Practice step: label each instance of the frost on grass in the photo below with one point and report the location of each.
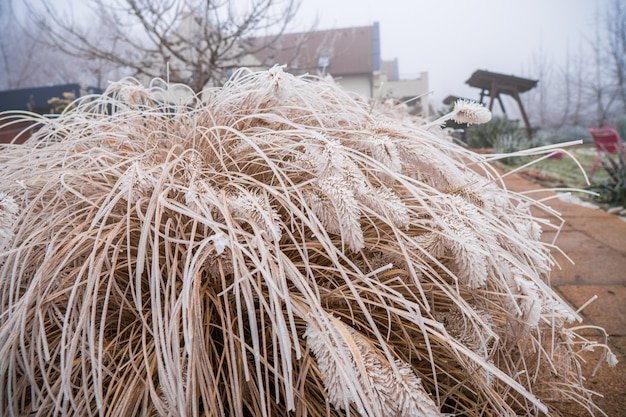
(276, 246)
(347, 358)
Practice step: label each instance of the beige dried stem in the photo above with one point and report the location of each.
(163, 256)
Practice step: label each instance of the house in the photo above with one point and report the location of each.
(34, 100)
(352, 56)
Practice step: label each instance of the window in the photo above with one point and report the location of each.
(323, 61)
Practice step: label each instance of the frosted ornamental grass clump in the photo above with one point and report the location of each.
(276, 247)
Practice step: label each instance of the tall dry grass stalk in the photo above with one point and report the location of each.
(276, 248)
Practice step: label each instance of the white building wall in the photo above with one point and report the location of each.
(359, 84)
(407, 89)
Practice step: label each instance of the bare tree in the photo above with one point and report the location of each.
(538, 100)
(616, 43)
(590, 86)
(192, 41)
(571, 88)
(26, 62)
(602, 83)
(17, 51)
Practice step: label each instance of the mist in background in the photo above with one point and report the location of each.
(450, 39)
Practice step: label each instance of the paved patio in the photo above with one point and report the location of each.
(596, 243)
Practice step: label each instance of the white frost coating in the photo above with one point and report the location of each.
(220, 242)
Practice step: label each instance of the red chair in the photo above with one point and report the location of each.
(607, 141)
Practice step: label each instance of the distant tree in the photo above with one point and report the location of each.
(543, 67)
(572, 76)
(589, 87)
(538, 101)
(602, 84)
(25, 61)
(196, 42)
(17, 51)
(616, 46)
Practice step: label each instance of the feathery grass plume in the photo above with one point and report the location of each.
(465, 111)
(166, 254)
(383, 389)
(8, 215)
(470, 112)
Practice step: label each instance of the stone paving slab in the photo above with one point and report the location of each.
(618, 343)
(608, 310)
(608, 382)
(600, 226)
(590, 261)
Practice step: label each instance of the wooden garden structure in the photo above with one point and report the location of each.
(494, 85)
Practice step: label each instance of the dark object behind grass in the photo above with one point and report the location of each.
(487, 135)
(613, 190)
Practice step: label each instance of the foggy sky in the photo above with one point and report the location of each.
(450, 39)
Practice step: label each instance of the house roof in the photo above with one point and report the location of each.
(36, 99)
(339, 52)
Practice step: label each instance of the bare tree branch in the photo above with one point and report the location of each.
(190, 41)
